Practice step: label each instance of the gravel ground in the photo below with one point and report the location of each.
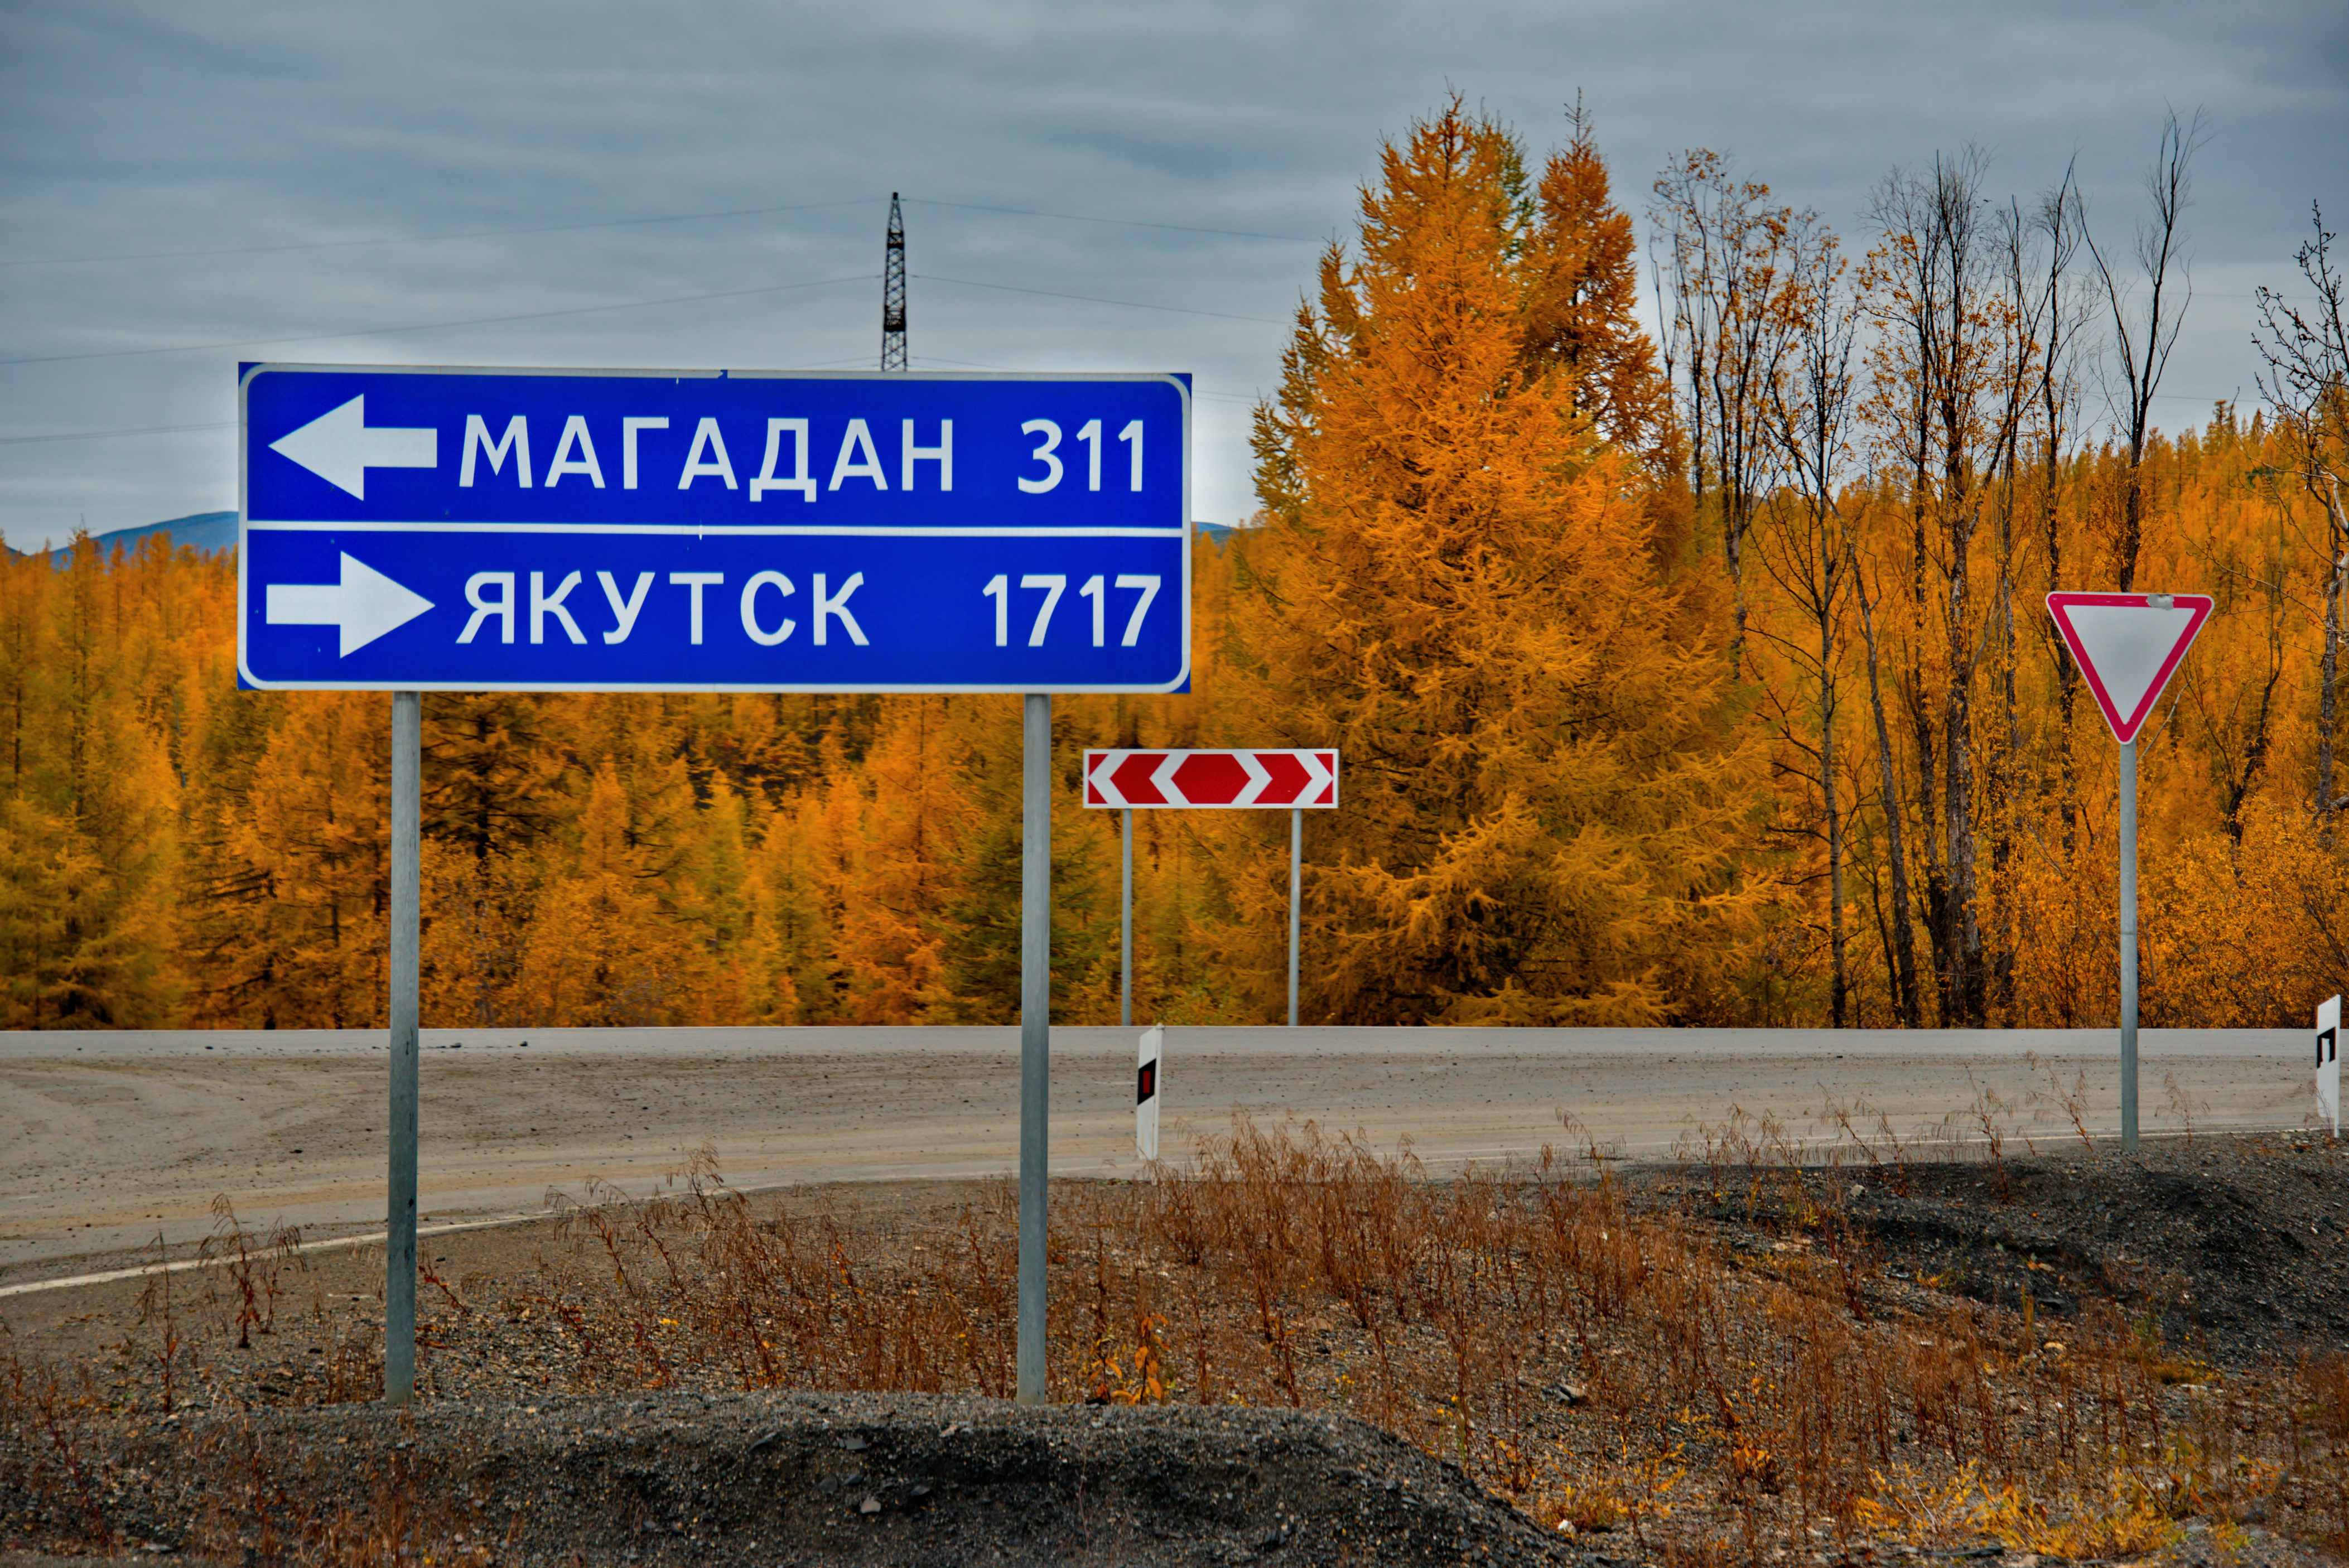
(2205, 1548)
(2234, 1247)
(784, 1480)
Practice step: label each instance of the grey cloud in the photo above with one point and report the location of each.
(141, 127)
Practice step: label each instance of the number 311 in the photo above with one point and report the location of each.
(1048, 444)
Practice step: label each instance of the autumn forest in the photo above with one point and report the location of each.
(1692, 677)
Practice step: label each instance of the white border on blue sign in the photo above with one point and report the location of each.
(243, 524)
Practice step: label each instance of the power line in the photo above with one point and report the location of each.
(1120, 223)
(435, 325)
(712, 216)
(1089, 299)
(431, 239)
(815, 365)
(1208, 392)
(108, 435)
(983, 365)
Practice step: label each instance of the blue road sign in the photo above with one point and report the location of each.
(428, 529)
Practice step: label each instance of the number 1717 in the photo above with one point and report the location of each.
(1052, 585)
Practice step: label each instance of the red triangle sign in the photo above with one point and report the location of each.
(2128, 645)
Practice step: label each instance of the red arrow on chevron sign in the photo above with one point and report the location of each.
(1231, 779)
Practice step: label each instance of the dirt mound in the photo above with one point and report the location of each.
(852, 1478)
(2236, 1246)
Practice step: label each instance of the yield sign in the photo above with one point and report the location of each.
(2128, 645)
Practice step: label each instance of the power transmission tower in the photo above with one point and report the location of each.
(893, 292)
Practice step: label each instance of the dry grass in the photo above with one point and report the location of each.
(1715, 1393)
(1600, 1366)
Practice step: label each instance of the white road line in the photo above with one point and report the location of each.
(375, 1238)
(335, 1243)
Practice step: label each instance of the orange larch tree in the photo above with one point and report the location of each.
(1459, 588)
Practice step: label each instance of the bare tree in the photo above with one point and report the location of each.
(2143, 337)
(2305, 351)
(1721, 257)
(2021, 326)
(2238, 715)
(1943, 403)
(1899, 931)
(2062, 311)
(1803, 538)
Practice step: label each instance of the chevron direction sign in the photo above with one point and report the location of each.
(1291, 781)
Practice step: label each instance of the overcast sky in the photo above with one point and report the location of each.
(351, 159)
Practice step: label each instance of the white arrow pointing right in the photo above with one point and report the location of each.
(1258, 777)
(339, 449)
(363, 606)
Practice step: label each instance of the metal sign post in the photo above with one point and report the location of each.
(1125, 922)
(407, 880)
(1255, 778)
(1296, 884)
(2128, 943)
(1035, 1031)
(412, 529)
(2128, 645)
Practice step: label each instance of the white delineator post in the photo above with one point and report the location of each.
(1035, 1030)
(2127, 647)
(2328, 1063)
(1147, 1085)
(400, 1223)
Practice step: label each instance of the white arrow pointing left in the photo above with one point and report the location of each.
(364, 605)
(339, 449)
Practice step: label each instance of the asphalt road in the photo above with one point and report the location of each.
(109, 1141)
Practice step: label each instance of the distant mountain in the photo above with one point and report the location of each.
(206, 532)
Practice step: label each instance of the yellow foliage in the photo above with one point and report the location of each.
(1587, 777)
(2127, 1516)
